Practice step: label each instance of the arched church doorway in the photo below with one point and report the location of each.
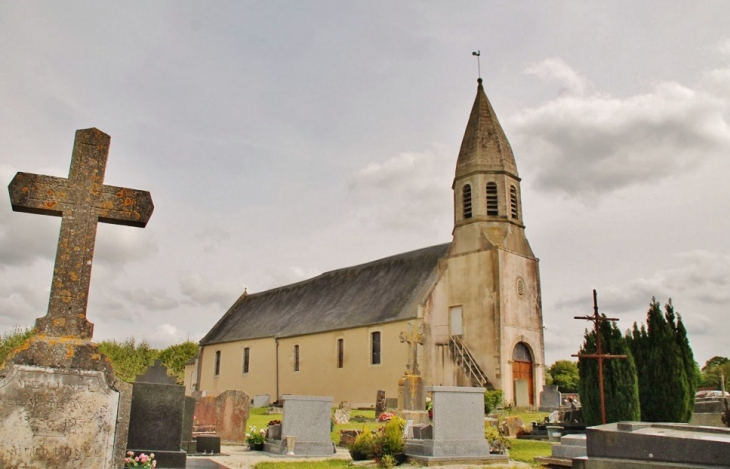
(522, 378)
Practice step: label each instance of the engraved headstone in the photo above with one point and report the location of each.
(61, 405)
(156, 419)
(231, 415)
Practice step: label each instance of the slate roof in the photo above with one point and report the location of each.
(385, 290)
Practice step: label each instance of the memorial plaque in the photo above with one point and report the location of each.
(56, 418)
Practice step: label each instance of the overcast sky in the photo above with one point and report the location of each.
(281, 140)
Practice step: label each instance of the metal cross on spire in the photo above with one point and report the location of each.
(82, 201)
(599, 355)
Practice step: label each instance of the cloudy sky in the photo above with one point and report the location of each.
(282, 139)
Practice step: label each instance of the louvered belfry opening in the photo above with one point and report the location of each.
(467, 201)
(492, 199)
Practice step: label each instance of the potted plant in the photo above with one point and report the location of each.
(255, 438)
(142, 460)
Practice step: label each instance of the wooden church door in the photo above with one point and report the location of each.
(522, 376)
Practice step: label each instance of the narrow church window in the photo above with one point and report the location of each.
(296, 358)
(492, 199)
(467, 201)
(340, 353)
(246, 355)
(513, 201)
(375, 355)
(217, 362)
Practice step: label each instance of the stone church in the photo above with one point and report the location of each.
(476, 300)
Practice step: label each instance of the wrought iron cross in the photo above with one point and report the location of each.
(82, 200)
(414, 337)
(599, 355)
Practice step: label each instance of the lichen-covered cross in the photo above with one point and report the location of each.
(414, 338)
(82, 200)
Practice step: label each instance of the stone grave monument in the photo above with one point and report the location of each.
(156, 418)
(550, 398)
(457, 433)
(628, 445)
(231, 415)
(188, 445)
(411, 388)
(305, 427)
(61, 405)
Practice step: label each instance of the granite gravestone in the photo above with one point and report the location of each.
(550, 398)
(306, 419)
(458, 429)
(628, 445)
(188, 445)
(61, 405)
(156, 419)
(205, 415)
(231, 415)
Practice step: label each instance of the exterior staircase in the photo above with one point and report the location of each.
(463, 357)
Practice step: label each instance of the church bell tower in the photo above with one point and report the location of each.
(491, 275)
(487, 198)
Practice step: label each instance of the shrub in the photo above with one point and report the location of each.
(362, 447)
(492, 400)
(497, 442)
(381, 444)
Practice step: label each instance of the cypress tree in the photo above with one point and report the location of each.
(667, 372)
(621, 389)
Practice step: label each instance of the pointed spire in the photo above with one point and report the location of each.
(485, 146)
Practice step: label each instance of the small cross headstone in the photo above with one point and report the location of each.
(61, 404)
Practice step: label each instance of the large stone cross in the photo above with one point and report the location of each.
(82, 200)
(414, 338)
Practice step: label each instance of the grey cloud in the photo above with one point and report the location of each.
(588, 146)
(154, 300)
(118, 245)
(410, 191)
(202, 292)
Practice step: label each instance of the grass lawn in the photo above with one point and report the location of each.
(526, 450)
(327, 464)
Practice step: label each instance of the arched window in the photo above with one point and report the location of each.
(513, 202)
(467, 201)
(521, 353)
(492, 199)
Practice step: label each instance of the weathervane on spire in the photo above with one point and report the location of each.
(479, 68)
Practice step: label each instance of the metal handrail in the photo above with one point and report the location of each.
(468, 363)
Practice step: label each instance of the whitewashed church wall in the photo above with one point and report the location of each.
(260, 378)
(358, 380)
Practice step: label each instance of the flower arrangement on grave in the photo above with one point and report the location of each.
(273, 430)
(142, 460)
(385, 416)
(255, 437)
